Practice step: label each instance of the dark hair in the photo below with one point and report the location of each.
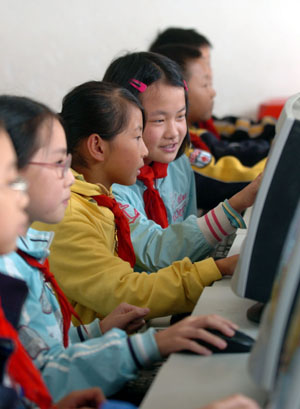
(22, 118)
(176, 35)
(180, 53)
(95, 107)
(147, 68)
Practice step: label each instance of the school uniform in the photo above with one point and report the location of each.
(92, 359)
(84, 258)
(186, 236)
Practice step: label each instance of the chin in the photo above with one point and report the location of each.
(7, 247)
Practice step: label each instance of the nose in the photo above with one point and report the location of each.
(69, 179)
(172, 131)
(24, 199)
(212, 92)
(144, 149)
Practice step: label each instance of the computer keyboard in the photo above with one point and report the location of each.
(135, 390)
(222, 249)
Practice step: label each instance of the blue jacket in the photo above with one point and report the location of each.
(105, 361)
(186, 235)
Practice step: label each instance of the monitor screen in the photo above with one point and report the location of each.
(267, 352)
(286, 392)
(273, 209)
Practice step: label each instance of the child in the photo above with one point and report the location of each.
(231, 165)
(179, 36)
(13, 221)
(166, 181)
(111, 360)
(229, 128)
(95, 269)
(13, 204)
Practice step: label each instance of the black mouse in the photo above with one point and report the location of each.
(239, 342)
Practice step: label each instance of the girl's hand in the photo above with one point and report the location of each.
(233, 402)
(227, 265)
(127, 317)
(85, 399)
(246, 197)
(180, 336)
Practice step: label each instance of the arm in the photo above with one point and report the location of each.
(97, 281)
(150, 241)
(233, 402)
(88, 398)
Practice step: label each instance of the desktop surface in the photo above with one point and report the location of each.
(189, 381)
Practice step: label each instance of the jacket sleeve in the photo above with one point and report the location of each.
(154, 246)
(106, 361)
(97, 280)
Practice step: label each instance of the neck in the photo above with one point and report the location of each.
(94, 175)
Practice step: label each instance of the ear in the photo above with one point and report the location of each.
(96, 147)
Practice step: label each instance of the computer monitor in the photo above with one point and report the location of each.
(273, 209)
(286, 392)
(267, 353)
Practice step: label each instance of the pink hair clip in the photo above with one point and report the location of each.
(185, 85)
(140, 86)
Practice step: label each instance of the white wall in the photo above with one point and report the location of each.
(49, 46)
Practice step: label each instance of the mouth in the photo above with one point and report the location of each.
(139, 169)
(66, 201)
(172, 147)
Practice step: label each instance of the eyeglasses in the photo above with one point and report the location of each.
(19, 185)
(62, 167)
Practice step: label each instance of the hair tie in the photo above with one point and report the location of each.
(185, 85)
(140, 86)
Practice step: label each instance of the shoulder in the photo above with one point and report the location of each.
(179, 171)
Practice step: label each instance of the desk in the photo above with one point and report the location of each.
(191, 381)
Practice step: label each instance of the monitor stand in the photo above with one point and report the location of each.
(254, 313)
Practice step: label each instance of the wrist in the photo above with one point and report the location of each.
(102, 326)
(236, 203)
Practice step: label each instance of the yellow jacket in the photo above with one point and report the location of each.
(89, 271)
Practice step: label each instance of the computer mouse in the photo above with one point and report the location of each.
(239, 342)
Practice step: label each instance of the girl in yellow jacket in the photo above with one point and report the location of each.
(91, 254)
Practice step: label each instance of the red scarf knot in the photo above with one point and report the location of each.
(125, 248)
(154, 205)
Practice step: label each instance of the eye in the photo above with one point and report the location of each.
(60, 161)
(138, 137)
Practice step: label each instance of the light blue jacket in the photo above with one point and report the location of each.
(154, 246)
(105, 361)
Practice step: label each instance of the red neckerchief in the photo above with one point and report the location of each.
(66, 308)
(154, 205)
(21, 368)
(210, 127)
(125, 248)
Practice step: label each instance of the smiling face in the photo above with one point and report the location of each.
(13, 219)
(166, 126)
(201, 92)
(124, 154)
(48, 191)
